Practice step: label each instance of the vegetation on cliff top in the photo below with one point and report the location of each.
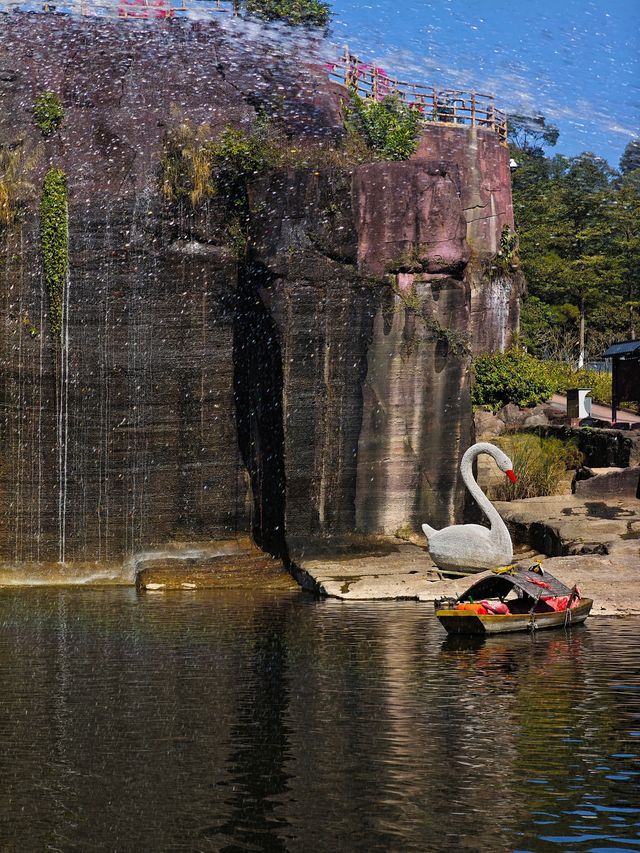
(388, 127)
(310, 13)
(54, 243)
(195, 166)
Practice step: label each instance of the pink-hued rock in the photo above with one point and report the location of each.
(482, 161)
(430, 239)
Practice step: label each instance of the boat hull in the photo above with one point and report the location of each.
(464, 622)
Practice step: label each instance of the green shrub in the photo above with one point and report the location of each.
(48, 113)
(563, 377)
(508, 244)
(539, 464)
(54, 242)
(509, 377)
(310, 13)
(389, 127)
(238, 155)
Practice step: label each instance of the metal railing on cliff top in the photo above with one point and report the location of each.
(435, 105)
(448, 106)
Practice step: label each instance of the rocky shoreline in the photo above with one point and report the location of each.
(592, 538)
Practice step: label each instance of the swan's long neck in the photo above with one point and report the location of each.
(498, 527)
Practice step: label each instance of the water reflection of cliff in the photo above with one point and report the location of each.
(232, 722)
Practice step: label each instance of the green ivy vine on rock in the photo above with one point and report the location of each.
(508, 244)
(54, 242)
(48, 113)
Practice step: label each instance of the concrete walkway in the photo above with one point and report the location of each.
(602, 413)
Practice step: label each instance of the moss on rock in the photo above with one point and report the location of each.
(54, 242)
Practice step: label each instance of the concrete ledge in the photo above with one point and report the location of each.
(391, 569)
(224, 564)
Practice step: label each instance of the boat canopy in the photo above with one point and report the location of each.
(531, 580)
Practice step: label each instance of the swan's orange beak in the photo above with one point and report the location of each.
(511, 476)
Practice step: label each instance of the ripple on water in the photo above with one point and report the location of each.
(245, 721)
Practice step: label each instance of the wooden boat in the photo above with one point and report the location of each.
(514, 598)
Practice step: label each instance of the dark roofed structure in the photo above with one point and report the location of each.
(625, 378)
(624, 348)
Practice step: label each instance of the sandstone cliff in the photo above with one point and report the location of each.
(318, 388)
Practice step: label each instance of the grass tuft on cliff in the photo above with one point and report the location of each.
(15, 165)
(186, 165)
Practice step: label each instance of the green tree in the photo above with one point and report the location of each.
(578, 227)
(531, 134)
(630, 160)
(622, 219)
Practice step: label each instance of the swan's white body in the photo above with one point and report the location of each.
(471, 547)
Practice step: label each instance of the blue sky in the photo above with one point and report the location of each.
(575, 61)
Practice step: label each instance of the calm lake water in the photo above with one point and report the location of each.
(222, 721)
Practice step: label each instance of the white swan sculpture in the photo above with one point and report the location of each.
(471, 547)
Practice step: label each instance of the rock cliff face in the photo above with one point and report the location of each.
(318, 388)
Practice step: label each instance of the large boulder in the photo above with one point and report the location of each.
(487, 424)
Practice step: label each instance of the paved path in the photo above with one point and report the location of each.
(603, 413)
